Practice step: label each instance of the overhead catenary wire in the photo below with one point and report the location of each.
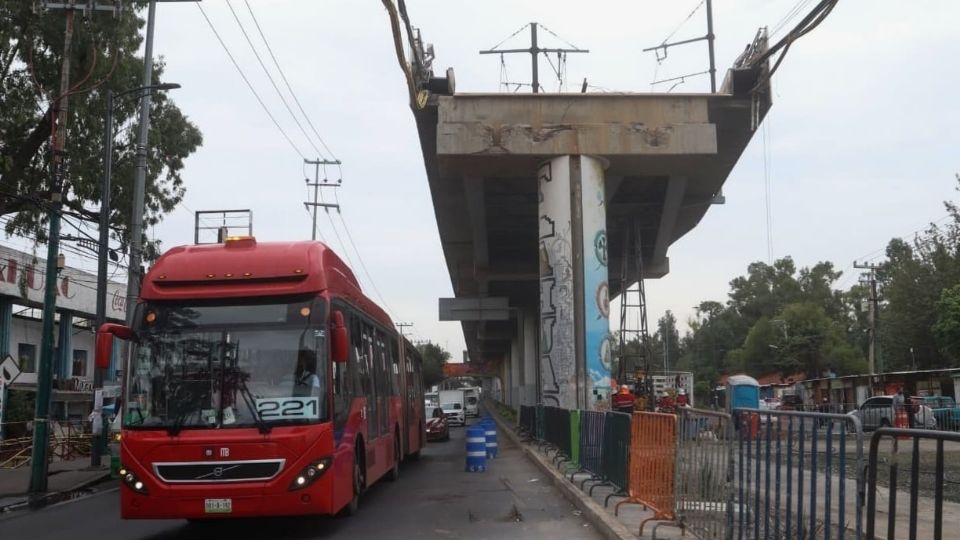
(288, 85)
(273, 83)
(363, 266)
(249, 85)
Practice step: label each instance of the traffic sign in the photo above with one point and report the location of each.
(9, 370)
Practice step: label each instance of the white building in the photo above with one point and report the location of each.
(22, 281)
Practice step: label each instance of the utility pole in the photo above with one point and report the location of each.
(666, 349)
(661, 52)
(316, 185)
(871, 278)
(402, 325)
(41, 427)
(534, 52)
(140, 171)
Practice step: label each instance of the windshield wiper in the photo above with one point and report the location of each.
(178, 422)
(262, 426)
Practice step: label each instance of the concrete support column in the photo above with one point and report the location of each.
(575, 341)
(6, 326)
(516, 370)
(65, 346)
(530, 358)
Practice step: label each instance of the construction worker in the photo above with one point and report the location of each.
(623, 400)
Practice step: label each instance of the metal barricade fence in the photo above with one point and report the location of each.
(795, 477)
(591, 445)
(615, 456)
(553, 417)
(574, 438)
(913, 519)
(538, 423)
(653, 445)
(527, 421)
(703, 485)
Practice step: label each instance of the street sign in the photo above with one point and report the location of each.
(9, 370)
(474, 309)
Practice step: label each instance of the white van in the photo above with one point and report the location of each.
(471, 401)
(452, 403)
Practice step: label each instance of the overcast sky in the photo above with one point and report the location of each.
(861, 141)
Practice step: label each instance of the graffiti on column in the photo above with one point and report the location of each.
(557, 345)
(598, 342)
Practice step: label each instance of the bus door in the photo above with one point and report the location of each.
(382, 384)
(360, 342)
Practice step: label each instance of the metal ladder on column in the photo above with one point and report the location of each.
(634, 346)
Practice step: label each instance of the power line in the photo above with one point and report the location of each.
(360, 258)
(247, 81)
(287, 83)
(270, 77)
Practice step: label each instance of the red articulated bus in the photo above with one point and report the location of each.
(262, 382)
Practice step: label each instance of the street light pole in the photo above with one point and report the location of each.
(104, 241)
(102, 250)
(140, 171)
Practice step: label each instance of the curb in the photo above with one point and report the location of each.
(609, 526)
(53, 497)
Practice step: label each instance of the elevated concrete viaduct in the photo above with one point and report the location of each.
(532, 195)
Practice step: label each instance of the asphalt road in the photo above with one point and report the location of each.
(434, 498)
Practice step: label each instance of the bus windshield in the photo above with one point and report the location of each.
(219, 366)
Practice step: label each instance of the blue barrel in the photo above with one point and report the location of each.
(476, 449)
(490, 432)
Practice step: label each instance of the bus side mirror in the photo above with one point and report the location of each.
(104, 346)
(338, 337)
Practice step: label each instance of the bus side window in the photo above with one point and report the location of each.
(395, 369)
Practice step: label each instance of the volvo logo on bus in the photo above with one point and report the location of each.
(217, 472)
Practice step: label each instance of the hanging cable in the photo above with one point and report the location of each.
(249, 85)
(273, 83)
(286, 82)
(363, 266)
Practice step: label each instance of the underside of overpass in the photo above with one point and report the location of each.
(664, 159)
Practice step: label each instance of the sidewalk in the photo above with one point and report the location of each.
(63, 476)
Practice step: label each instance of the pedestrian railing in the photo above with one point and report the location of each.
(798, 475)
(915, 462)
(653, 445)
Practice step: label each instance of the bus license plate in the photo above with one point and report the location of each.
(218, 506)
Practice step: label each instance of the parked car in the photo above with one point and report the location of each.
(877, 412)
(437, 427)
(945, 410)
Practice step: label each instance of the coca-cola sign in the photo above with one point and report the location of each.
(23, 276)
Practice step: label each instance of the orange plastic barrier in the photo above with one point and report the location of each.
(902, 420)
(653, 447)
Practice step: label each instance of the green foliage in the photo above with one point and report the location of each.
(947, 327)
(103, 55)
(434, 357)
(780, 319)
(20, 408)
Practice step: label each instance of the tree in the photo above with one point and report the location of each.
(947, 327)
(434, 357)
(103, 55)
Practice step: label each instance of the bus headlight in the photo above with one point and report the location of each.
(310, 473)
(131, 480)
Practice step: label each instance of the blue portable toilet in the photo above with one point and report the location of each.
(743, 392)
